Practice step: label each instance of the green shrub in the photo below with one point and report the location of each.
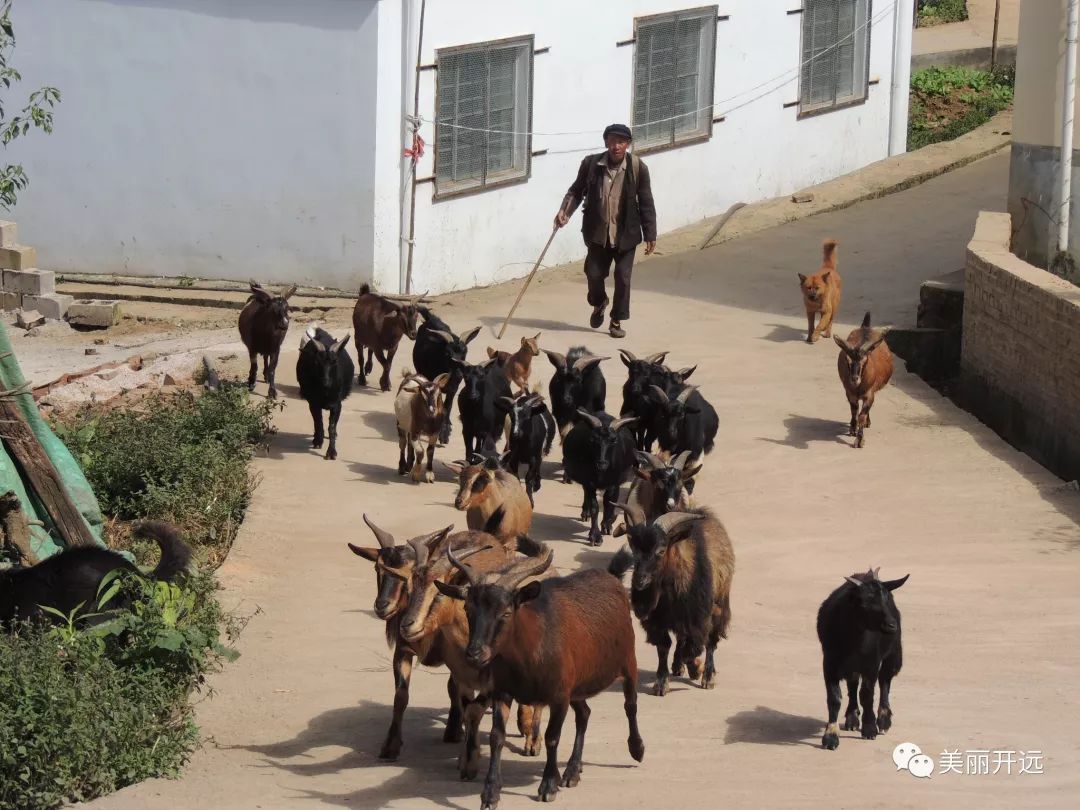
(947, 102)
(181, 458)
(936, 12)
(86, 711)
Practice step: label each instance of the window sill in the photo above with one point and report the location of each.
(439, 196)
(667, 147)
(813, 113)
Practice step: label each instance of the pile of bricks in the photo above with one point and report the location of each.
(24, 286)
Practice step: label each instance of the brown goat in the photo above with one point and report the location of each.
(485, 489)
(683, 567)
(659, 485)
(379, 322)
(263, 324)
(390, 603)
(428, 615)
(518, 366)
(865, 365)
(557, 642)
(419, 411)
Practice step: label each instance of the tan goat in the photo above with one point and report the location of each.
(489, 494)
(518, 366)
(865, 365)
(419, 411)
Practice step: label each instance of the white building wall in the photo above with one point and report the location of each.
(209, 138)
(584, 83)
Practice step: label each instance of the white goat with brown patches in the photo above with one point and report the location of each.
(419, 411)
(865, 365)
(492, 498)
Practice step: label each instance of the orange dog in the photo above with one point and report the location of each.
(821, 294)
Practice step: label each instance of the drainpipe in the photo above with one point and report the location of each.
(903, 16)
(411, 30)
(1068, 107)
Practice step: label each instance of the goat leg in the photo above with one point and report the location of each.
(316, 418)
(361, 376)
(595, 537)
(469, 761)
(572, 774)
(453, 731)
(416, 458)
(449, 394)
(677, 661)
(429, 474)
(831, 738)
(889, 667)
(629, 685)
(253, 371)
(661, 639)
(529, 719)
(549, 785)
(370, 360)
(492, 792)
(403, 442)
(271, 373)
(585, 504)
(403, 661)
(611, 495)
(387, 361)
(866, 698)
(851, 713)
(335, 414)
(854, 405)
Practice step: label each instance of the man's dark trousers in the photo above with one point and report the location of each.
(598, 265)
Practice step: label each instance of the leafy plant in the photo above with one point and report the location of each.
(36, 114)
(947, 102)
(936, 12)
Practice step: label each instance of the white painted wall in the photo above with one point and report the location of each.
(584, 83)
(210, 138)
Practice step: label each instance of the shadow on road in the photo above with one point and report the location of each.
(765, 726)
(543, 325)
(785, 333)
(802, 430)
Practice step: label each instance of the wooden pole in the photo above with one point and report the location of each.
(993, 44)
(528, 280)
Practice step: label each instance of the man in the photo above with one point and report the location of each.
(618, 215)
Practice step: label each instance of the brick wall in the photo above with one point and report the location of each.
(1020, 359)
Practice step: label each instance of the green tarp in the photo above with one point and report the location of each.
(45, 539)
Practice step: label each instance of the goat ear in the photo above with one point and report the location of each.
(492, 352)
(802, 278)
(468, 336)
(441, 381)
(453, 467)
(892, 585)
(261, 295)
(370, 554)
(843, 345)
(453, 591)
(528, 593)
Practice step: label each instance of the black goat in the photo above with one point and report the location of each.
(858, 626)
(263, 323)
(683, 567)
(641, 375)
(599, 454)
(684, 420)
(532, 432)
(481, 422)
(577, 383)
(434, 351)
(70, 579)
(324, 371)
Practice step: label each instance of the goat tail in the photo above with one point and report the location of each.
(724, 619)
(866, 321)
(175, 553)
(622, 562)
(365, 288)
(829, 252)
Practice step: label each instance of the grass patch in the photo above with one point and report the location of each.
(939, 12)
(181, 457)
(948, 102)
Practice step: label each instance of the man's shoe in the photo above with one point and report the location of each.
(616, 330)
(597, 319)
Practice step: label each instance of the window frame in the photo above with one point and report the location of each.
(824, 109)
(711, 12)
(524, 41)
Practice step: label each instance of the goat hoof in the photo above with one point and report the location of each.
(860, 441)
(637, 748)
(331, 455)
(316, 444)
(693, 668)
(570, 778)
(452, 735)
(596, 539)
(251, 386)
(660, 688)
(884, 720)
(869, 730)
(390, 750)
(549, 790)
(532, 748)
(851, 722)
(708, 680)
(677, 669)
(830, 741)
(468, 773)
(384, 385)
(489, 798)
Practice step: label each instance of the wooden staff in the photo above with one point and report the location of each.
(528, 280)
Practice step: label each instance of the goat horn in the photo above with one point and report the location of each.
(623, 422)
(671, 522)
(290, 292)
(588, 417)
(685, 394)
(653, 462)
(661, 392)
(386, 540)
(424, 546)
(557, 360)
(445, 337)
(657, 358)
(583, 363)
(529, 567)
(685, 373)
(337, 345)
(635, 516)
(470, 575)
(628, 356)
(680, 460)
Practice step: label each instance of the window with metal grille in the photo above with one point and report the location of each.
(484, 103)
(674, 69)
(835, 54)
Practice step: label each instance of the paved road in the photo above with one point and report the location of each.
(991, 541)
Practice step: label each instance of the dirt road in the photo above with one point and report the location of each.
(991, 541)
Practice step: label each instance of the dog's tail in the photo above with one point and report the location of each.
(866, 321)
(175, 553)
(829, 251)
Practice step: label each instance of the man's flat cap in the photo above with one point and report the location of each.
(621, 130)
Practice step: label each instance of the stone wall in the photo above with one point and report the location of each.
(1020, 357)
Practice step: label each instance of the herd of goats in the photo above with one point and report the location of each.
(487, 602)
